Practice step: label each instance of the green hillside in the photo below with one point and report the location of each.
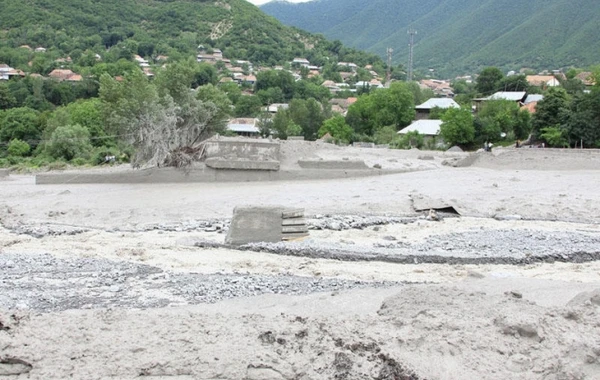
(153, 27)
(460, 35)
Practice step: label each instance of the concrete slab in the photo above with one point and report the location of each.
(333, 164)
(255, 224)
(205, 174)
(234, 164)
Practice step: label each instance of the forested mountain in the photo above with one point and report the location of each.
(455, 36)
(153, 27)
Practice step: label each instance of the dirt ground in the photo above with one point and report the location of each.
(106, 281)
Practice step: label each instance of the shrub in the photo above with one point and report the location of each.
(18, 148)
(410, 140)
(69, 142)
(79, 161)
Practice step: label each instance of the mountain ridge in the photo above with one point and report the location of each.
(461, 35)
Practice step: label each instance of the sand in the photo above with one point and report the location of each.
(433, 321)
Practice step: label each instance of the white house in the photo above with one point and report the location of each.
(424, 109)
(427, 128)
(244, 127)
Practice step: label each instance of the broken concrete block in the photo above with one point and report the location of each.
(272, 224)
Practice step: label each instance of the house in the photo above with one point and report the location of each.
(543, 81)
(440, 88)
(244, 127)
(423, 110)
(368, 85)
(141, 61)
(301, 62)
(206, 58)
(349, 65)
(248, 79)
(430, 129)
(586, 77)
(217, 53)
(533, 98)
(275, 107)
(148, 72)
(513, 96)
(65, 75)
(40, 49)
(4, 70)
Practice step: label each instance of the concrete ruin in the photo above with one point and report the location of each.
(265, 224)
(241, 154)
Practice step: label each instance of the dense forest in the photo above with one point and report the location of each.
(459, 36)
(158, 27)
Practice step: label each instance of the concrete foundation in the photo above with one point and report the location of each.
(4, 173)
(265, 224)
(221, 163)
(204, 174)
(242, 149)
(333, 164)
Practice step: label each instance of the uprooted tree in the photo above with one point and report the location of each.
(163, 120)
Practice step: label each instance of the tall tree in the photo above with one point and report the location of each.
(488, 80)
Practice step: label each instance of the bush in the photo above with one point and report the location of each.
(555, 137)
(69, 142)
(410, 140)
(57, 165)
(18, 148)
(78, 161)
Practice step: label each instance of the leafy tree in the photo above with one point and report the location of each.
(552, 110)
(308, 114)
(69, 142)
(7, 100)
(305, 90)
(281, 123)
(248, 106)
(412, 139)
(18, 148)
(582, 123)
(489, 80)
(337, 128)
(385, 135)
(554, 136)
(211, 94)
(513, 83)
(502, 116)
(457, 127)
(271, 95)
(383, 107)
(276, 78)
(20, 123)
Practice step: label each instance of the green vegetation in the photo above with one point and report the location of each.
(150, 28)
(458, 36)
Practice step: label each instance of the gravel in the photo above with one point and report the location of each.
(489, 246)
(46, 283)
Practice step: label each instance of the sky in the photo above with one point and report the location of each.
(260, 2)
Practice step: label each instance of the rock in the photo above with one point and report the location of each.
(433, 215)
(377, 166)
(426, 158)
(508, 217)
(390, 238)
(14, 367)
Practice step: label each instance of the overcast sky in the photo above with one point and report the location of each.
(259, 2)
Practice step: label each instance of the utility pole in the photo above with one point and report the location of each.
(388, 77)
(411, 44)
